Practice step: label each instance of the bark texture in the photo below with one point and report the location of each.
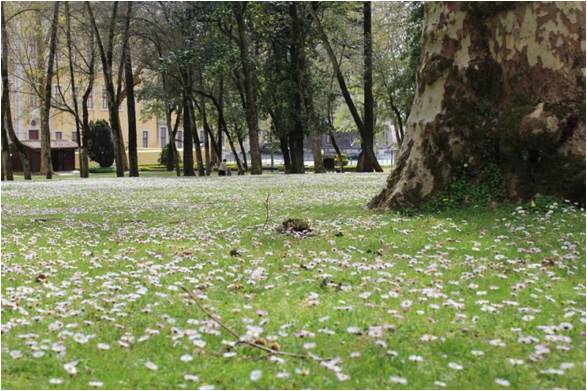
(500, 83)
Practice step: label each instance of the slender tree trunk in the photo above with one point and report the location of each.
(188, 153)
(6, 109)
(83, 172)
(6, 160)
(271, 150)
(172, 130)
(250, 91)
(239, 165)
(483, 113)
(106, 55)
(399, 132)
(242, 147)
(133, 158)
(331, 133)
(367, 159)
(46, 162)
(85, 165)
(197, 145)
(202, 109)
(284, 146)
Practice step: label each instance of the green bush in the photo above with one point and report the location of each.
(100, 145)
(166, 157)
(101, 170)
(464, 189)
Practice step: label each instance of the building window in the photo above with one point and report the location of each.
(179, 139)
(74, 136)
(145, 139)
(163, 136)
(104, 100)
(33, 99)
(58, 136)
(33, 134)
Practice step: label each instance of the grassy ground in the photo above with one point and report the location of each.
(473, 298)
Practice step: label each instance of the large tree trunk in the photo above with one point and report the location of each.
(502, 84)
(46, 162)
(250, 90)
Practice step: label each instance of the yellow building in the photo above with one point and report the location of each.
(152, 133)
(28, 50)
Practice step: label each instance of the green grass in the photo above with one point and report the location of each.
(116, 253)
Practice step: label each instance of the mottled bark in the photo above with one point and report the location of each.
(498, 83)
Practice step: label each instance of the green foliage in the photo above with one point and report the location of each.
(397, 49)
(467, 189)
(101, 170)
(100, 145)
(166, 157)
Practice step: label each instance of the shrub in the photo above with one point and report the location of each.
(100, 146)
(166, 157)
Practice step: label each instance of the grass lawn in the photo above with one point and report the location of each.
(93, 270)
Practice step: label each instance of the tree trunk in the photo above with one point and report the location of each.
(133, 158)
(399, 128)
(188, 153)
(296, 153)
(6, 109)
(83, 171)
(250, 90)
(367, 159)
(172, 131)
(196, 136)
(6, 160)
(106, 55)
(284, 146)
(46, 162)
(239, 165)
(272, 154)
(242, 147)
(502, 85)
(207, 152)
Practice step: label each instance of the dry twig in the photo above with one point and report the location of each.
(266, 210)
(236, 335)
